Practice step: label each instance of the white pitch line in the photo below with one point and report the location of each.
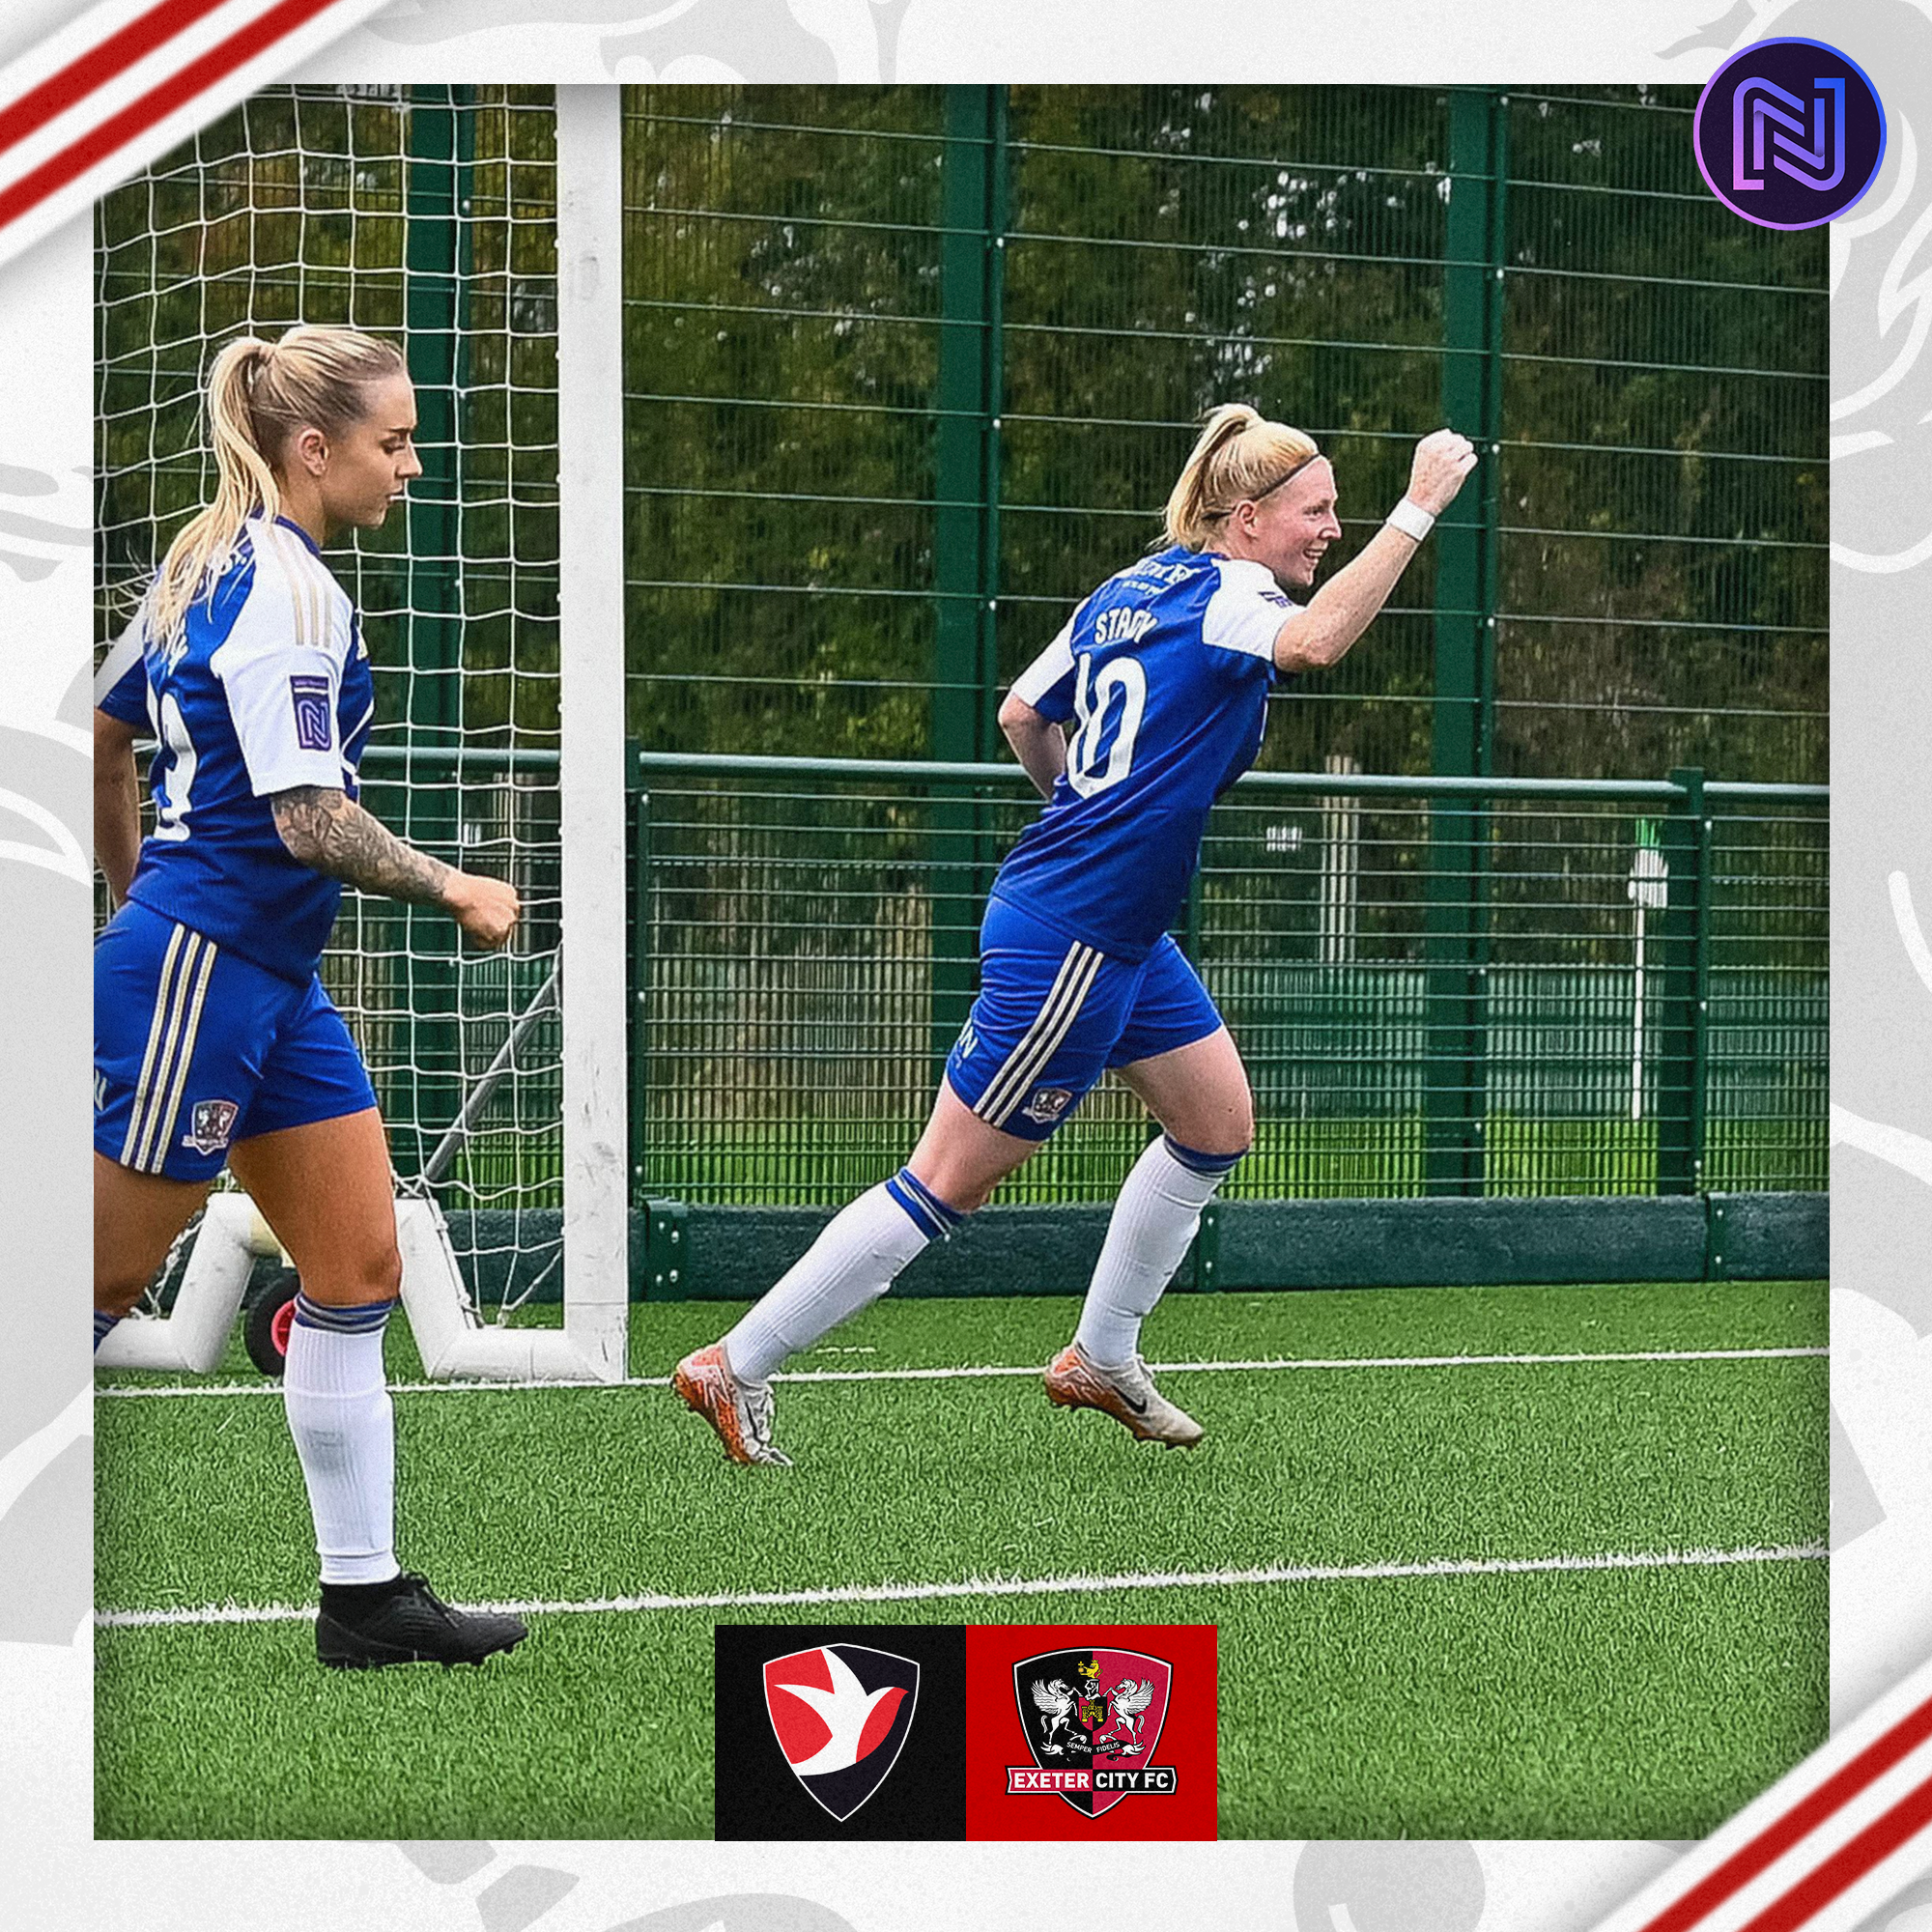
(1263, 1365)
(1042, 1587)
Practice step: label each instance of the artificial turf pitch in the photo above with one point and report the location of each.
(1645, 1702)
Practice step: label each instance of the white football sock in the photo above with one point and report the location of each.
(1154, 1220)
(852, 1263)
(343, 1425)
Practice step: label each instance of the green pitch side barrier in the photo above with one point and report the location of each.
(685, 1253)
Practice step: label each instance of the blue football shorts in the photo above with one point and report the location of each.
(1054, 1013)
(195, 1048)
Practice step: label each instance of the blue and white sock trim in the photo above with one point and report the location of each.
(104, 1325)
(930, 1215)
(1216, 1165)
(367, 1319)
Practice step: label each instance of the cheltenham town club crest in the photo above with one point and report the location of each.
(841, 1714)
(1092, 1720)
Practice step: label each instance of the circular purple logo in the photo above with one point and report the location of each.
(1789, 134)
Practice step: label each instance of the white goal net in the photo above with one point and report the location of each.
(430, 217)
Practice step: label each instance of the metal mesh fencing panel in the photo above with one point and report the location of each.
(798, 990)
(426, 216)
(1770, 1012)
(1646, 1014)
(910, 370)
(781, 310)
(1663, 484)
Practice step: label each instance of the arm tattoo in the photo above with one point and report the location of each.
(327, 830)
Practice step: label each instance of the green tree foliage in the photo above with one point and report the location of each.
(1661, 485)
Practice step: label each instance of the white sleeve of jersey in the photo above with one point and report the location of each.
(1246, 611)
(1047, 683)
(283, 679)
(123, 655)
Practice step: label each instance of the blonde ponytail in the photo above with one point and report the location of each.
(1238, 456)
(259, 395)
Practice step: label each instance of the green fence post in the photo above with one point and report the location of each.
(966, 522)
(440, 143)
(639, 1036)
(1456, 923)
(1684, 1007)
(966, 526)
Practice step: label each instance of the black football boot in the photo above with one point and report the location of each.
(365, 1626)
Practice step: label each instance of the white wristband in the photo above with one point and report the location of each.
(1411, 519)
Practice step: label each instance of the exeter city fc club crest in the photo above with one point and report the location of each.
(841, 1714)
(1092, 1720)
(210, 1126)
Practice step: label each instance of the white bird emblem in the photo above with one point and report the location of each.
(844, 1710)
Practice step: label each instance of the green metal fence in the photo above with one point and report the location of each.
(909, 370)
(1647, 1014)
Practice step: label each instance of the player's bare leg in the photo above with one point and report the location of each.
(961, 1158)
(1199, 1093)
(957, 1163)
(136, 1218)
(327, 1192)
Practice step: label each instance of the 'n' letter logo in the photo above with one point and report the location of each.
(1761, 108)
(1789, 134)
(310, 698)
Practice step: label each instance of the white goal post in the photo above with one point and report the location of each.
(590, 983)
(590, 604)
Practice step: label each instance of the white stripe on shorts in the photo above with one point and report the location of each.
(191, 1033)
(1042, 1039)
(184, 983)
(152, 1098)
(157, 1027)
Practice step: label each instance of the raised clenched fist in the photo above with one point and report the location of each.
(1443, 459)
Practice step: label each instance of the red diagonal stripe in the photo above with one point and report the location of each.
(1803, 1818)
(1849, 1863)
(95, 68)
(156, 104)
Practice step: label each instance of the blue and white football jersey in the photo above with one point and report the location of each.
(1163, 675)
(265, 686)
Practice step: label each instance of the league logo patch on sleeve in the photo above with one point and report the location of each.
(313, 725)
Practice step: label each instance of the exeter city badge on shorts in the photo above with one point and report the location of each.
(1092, 1720)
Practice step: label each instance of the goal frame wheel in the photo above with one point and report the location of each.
(265, 1333)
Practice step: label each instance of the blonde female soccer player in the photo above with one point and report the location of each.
(1132, 721)
(213, 1040)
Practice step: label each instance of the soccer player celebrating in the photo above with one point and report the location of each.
(213, 1037)
(1133, 721)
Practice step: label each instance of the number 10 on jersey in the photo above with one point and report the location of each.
(1087, 770)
